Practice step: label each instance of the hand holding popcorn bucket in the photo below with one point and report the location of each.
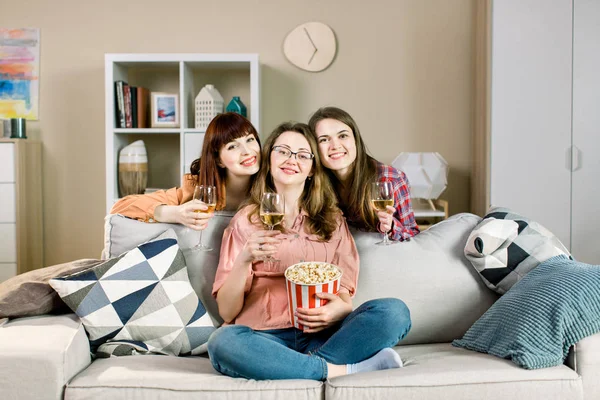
(305, 280)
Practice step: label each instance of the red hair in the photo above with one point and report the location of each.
(223, 129)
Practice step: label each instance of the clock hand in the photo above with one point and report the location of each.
(313, 56)
(309, 38)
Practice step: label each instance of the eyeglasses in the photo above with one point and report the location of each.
(301, 155)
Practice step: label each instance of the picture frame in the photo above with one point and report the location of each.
(165, 110)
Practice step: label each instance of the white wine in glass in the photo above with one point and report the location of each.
(208, 196)
(382, 195)
(272, 211)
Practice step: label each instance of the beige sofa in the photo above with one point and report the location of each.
(48, 357)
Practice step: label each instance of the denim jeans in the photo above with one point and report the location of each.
(239, 351)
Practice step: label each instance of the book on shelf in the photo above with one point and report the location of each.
(143, 107)
(134, 119)
(119, 105)
(127, 95)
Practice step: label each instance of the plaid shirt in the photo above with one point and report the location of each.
(404, 226)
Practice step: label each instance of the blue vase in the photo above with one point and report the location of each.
(236, 106)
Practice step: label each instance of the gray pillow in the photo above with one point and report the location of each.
(30, 294)
(505, 246)
(122, 234)
(425, 273)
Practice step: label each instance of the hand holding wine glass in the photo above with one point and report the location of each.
(382, 198)
(272, 212)
(208, 196)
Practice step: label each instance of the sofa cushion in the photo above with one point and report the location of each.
(440, 371)
(122, 234)
(425, 273)
(156, 377)
(536, 322)
(143, 296)
(30, 294)
(505, 246)
(40, 355)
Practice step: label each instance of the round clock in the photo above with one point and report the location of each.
(310, 46)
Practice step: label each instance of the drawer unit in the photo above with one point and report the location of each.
(7, 270)
(8, 243)
(7, 162)
(8, 210)
(192, 147)
(21, 223)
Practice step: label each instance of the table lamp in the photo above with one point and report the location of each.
(427, 174)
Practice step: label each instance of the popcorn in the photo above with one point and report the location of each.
(312, 273)
(305, 280)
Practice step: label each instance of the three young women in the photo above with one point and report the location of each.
(351, 170)
(258, 340)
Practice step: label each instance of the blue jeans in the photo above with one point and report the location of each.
(239, 351)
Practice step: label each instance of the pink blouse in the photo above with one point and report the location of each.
(265, 303)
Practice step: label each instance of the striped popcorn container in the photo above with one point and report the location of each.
(304, 280)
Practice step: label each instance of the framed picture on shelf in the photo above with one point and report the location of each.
(165, 110)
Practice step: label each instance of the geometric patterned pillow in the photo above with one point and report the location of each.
(143, 297)
(505, 246)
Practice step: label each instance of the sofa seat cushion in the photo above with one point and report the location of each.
(440, 371)
(160, 377)
(39, 355)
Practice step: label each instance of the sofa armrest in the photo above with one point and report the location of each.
(40, 355)
(586, 362)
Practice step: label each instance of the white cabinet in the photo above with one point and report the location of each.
(21, 235)
(545, 124)
(172, 150)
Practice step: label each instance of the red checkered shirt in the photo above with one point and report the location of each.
(404, 226)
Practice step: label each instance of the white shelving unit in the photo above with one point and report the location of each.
(172, 150)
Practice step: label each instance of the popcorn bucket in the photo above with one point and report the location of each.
(323, 278)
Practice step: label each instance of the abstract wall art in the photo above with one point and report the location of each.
(19, 72)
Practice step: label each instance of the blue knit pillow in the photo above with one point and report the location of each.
(536, 322)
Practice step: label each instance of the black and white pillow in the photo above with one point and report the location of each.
(505, 246)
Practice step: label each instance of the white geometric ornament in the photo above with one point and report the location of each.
(427, 173)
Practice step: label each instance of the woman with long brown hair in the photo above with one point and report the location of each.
(229, 160)
(352, 170)
(258, 340)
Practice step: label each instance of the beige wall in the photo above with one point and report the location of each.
(404, 70)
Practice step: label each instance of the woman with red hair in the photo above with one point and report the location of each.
(229, 160)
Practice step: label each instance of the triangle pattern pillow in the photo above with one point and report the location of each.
(505, 246)
(143, 298)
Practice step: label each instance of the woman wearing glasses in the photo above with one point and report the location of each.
(352, 170)
(251, 294)
(229, 161)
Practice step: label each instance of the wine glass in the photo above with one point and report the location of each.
(382, 195)
(208, 196)
(272, 211)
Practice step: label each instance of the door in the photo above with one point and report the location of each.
(531, 81)
(585, 208)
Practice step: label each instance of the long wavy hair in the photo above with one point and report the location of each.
(223, 129)
(318, 198)
(357, 206)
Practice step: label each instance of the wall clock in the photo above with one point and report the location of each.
(310, 46)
